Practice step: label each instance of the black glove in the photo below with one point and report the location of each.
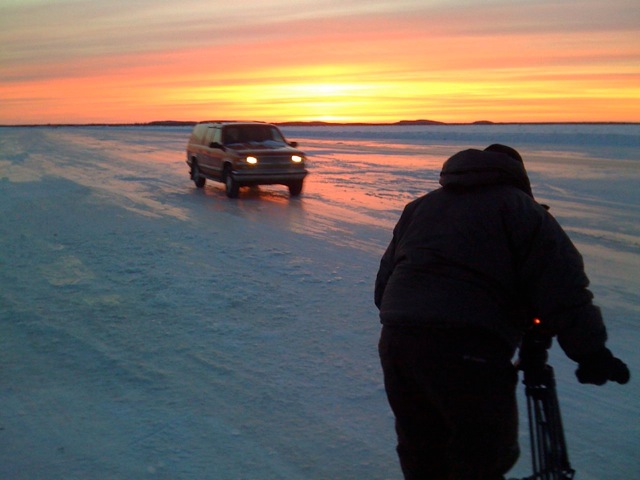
(601, 366)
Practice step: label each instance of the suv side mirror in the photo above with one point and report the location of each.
(293, 144)
(216, 145)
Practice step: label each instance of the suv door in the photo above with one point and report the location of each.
(211, 160)
(216, 153)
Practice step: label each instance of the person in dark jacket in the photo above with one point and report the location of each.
(469, 267)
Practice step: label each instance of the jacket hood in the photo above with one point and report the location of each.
(473, 168)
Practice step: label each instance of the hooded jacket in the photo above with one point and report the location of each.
(481, 253)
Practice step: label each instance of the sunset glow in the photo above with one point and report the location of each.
(80, 61)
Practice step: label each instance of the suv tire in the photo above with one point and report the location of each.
(196, 177)
(295, 188)
(230, 184)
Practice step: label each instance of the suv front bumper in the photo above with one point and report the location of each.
(245, 177)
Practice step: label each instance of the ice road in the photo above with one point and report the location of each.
(149, 329)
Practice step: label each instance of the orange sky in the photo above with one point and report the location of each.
(79, 61)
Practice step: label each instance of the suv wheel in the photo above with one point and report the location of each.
(231, 186)
(295, 188)
(198, 179)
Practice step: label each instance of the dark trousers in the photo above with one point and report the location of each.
(453, 397)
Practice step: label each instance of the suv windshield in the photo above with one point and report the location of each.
(251, 133)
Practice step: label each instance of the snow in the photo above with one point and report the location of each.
(152, 330)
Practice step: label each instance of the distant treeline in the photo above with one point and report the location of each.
(172, 123)
(179, 123)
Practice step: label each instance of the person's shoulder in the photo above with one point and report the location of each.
(517, 198)
(413, 204)
(521, 209)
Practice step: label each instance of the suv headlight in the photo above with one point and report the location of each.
(296, 158)
(252, 160)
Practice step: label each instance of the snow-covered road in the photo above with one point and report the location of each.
(152, 330)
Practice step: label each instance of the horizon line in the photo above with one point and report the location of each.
(315, 123)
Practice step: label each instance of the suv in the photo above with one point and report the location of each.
(244, 153)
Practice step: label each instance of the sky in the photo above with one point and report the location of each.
(455, 61)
